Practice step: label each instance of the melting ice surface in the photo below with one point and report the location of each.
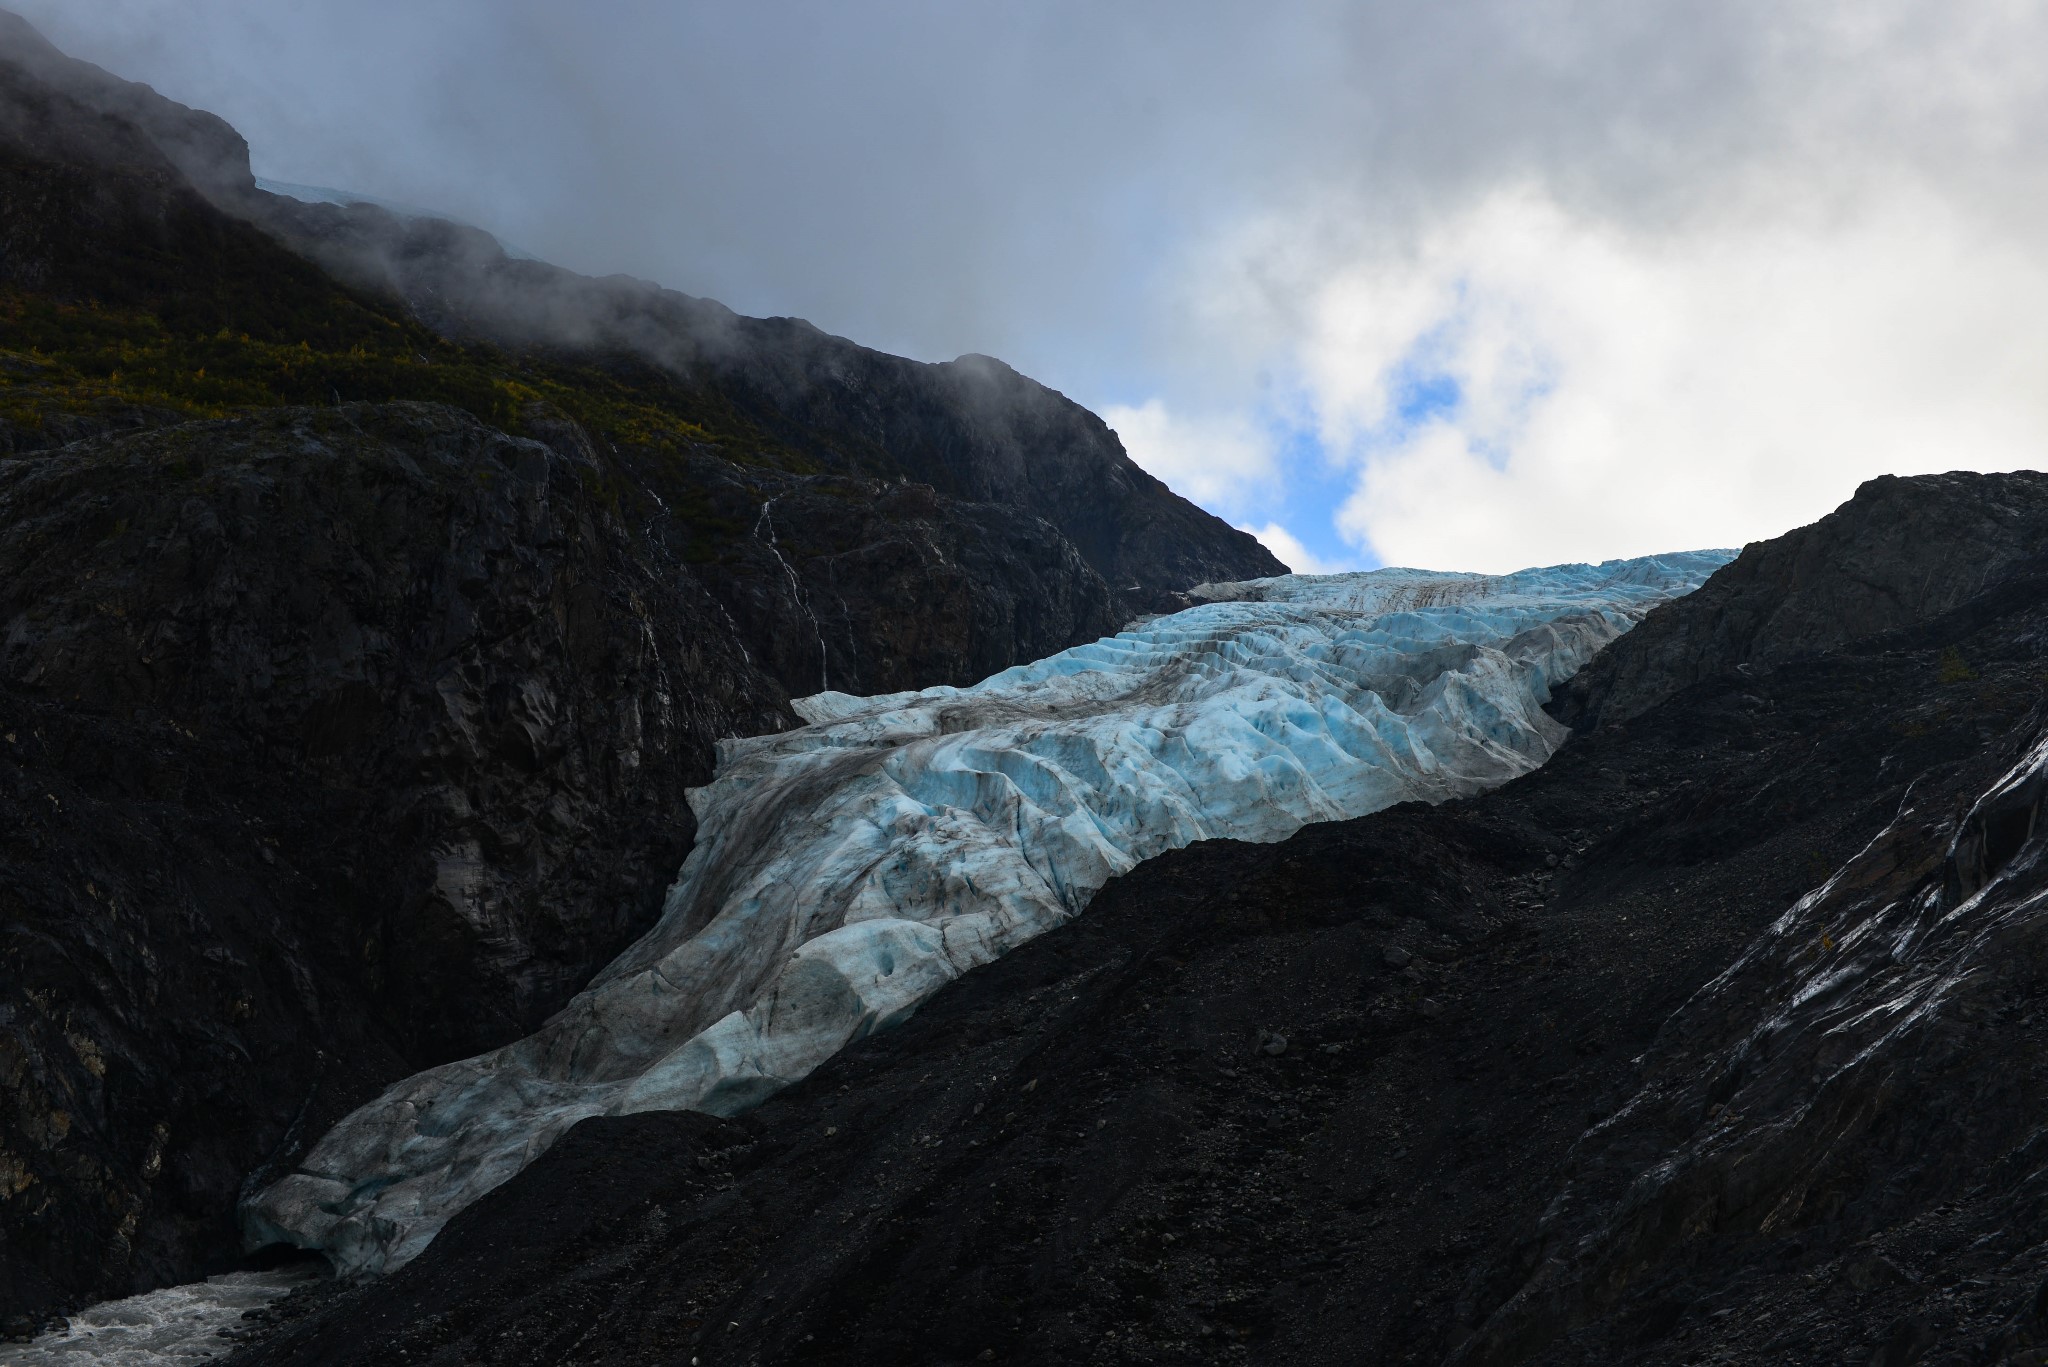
(846, 870)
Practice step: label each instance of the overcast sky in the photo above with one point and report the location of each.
(1468, 284)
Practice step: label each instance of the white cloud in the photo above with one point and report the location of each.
(1218, 460)
(1701, 319)
(1293, 554)
(1695, 267)
(1628, 391)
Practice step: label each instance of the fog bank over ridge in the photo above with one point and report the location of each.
(1477, 286)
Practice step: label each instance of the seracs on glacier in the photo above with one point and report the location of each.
(846, 870)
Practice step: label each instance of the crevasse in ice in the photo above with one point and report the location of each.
(846, 870)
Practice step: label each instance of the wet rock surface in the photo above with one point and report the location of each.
(343, 740)
(865, 586)
(1697, 1045)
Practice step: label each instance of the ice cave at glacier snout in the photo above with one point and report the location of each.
(846, 870)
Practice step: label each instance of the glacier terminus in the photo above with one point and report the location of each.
(847, 869)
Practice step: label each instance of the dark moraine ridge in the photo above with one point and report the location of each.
(357, 649)
(1573, 1072)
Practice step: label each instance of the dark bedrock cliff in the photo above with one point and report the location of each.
(119, 197)
(201, 148)
(972, 428)
(400, 719)
(871, 587)
(345, 741)
(1559, 1074)
(1901, 550)
(398, 603)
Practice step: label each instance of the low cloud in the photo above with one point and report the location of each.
(1619, 392)
(1293, 554)
(1470, 284)
(1221, 461)
(1836, 270)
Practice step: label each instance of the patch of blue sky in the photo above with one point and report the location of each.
(1313, 474)
(1311, 488)
(1315, 480)
(1421, 398)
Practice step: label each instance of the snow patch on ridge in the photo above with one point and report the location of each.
(846, 870)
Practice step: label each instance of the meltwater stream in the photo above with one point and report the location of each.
(846, 870)
(178, 1324)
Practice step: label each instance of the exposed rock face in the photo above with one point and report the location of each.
(1838, 1142)
(344, 740)
(426, 710)
(1567, 1073)
(124, 123)
(459, 692)
(971, 429)
(422, 702)
(867, 587)
(850, 869)
(404, 605)
(1902, 551)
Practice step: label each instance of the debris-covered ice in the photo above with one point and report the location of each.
(846, 870)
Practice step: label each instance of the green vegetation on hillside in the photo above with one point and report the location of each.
(85, 358)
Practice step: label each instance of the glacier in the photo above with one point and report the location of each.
(847, 869)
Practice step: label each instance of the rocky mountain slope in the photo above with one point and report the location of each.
(1710, 1041)
(846, 870)
(119, 195)
(1917, 548)
(972, 428)
(352, 668)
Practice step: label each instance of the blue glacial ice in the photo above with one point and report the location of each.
(846, 870)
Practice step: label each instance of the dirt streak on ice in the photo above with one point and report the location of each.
(846, 870)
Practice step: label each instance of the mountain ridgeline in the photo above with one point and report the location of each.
(368, 604)
(1715, 1039)
(371, 602)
